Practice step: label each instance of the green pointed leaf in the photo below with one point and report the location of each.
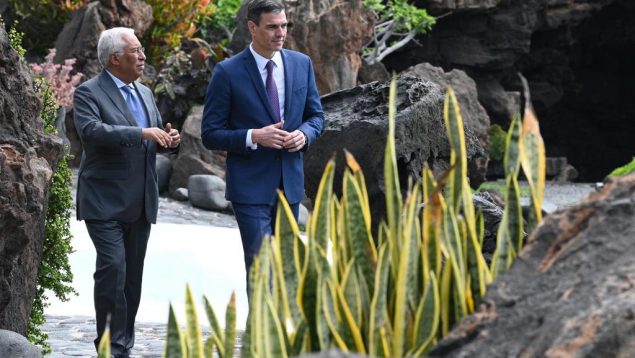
(511, 161)
(194, 338)
(230, 326)
(358, 235)
(321, 219)
(428, 316)
(391, 174)
(175, 346)
(458, 155)
(378, 306)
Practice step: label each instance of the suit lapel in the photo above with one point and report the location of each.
(256, 79)
(288, 80)
(108, 85)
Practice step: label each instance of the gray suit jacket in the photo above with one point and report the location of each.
(117, 174)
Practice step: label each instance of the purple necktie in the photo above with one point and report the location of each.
(272, 91)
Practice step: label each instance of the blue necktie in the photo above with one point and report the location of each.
(135, 107)
(272, 91)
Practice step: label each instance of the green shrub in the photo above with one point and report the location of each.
(42, 20)
(173, 19)
(496, 142)
(397, 23)
(54, 273)
(218, 29)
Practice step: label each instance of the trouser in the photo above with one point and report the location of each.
(254, 222)
(121, 249)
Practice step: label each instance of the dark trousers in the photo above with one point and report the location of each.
(121, 249)
(254, 222)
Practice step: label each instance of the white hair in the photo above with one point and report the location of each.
(111, 41)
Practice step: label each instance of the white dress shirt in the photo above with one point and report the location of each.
(278, 76)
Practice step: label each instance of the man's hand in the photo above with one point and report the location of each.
(271, 136)
(174, 134)
(158, 135)
(295, 141)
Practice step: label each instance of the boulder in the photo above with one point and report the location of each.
(28, 159)
(14, 345)
(474, 116)
(336, 59)
(164, 171)
(181, 194)
(207, 192)
(79, 37)
(357, 120)
(193, 157)
(570, 292)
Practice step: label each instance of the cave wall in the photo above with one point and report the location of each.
(577, 55)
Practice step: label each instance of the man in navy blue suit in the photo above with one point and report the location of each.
(262, 107)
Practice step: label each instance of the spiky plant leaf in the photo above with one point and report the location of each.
(358, 234)
(287, 273)
(511, 161)
(391, 175)
(230, 326)
(103, 349)
(378, 305)
(175, 346)
(194, 337)
(321, 218)
(532, 156)
(428, 316)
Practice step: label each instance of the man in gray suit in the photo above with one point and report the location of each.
(117, 192)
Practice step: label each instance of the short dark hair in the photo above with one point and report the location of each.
(257, 7)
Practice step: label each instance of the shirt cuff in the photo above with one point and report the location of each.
(249, 142)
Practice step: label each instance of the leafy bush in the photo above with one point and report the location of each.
(496, 142)
(54, 273)
(397, 24)
(173, 19)
(218, 29)
(624, 170)
(391, 296)
(59, 78)
(42, 21)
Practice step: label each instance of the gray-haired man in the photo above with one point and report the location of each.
(117, 193)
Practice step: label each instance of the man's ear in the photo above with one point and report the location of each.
(113, 59)
(251, 26)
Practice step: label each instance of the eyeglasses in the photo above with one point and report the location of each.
(136, 50)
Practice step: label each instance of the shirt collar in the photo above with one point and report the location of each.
(119, 83)
(262, 61)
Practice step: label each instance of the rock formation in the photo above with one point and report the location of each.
(357, 120)
(569, 294)
(79, 37)
(193, 157)
(474, 115)
(577, 56)
(331, 32)
(28, 158)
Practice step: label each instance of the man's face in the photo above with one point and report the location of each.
(128, 64)
(269, 35)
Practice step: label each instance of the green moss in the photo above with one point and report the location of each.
(624, 170)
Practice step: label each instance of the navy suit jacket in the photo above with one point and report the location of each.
(117, 175)
(236, 101)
